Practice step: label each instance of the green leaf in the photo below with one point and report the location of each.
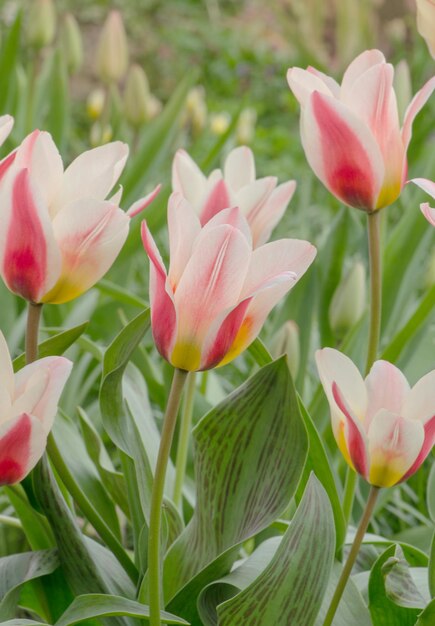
(250, 452)
(23, 622)
(54, 346)
(292, 586)
(8, 60)
(431, 493)
(120, 293)
(431, 569)
(399, 584)
(259, 352)
(90, 606)
(352, 610)
(17, 569)
(57, 118)
(427, 618)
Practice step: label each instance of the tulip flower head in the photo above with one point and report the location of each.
(214, 299)
(429, 187)
(426, 23)
(351, 132)
(260, 200)
(59, 235)
(384, 429)
(28, 406)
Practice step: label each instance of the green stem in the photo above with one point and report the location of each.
(170, 419)
(183, 440)
(88, 510)
(33, 319)
(374, 491)
(375, 262)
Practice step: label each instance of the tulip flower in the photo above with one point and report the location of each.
(429, 187)
(351, 133)
(261, 201)
(218, 292)
(426, 23)
(28, 405)
(59, 235)
(384, 429)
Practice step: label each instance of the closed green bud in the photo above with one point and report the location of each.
(287, 341)
(349, 300)
(112, 52)
(136, 97)
(72, 43)
(41, 23)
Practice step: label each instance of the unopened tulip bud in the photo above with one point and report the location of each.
(136, 96)
(219, 123)
(245, 130)
(154, 106)
(287, 341)
(41, 25)
(112, 52)
(95, 103)
(72, 43)
(196, 109)
(402, 86)
(348, 302)
(426, 23)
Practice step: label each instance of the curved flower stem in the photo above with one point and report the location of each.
(375, 261)
(32, 330)
(183, 441)
(169, 421)
(373, 495)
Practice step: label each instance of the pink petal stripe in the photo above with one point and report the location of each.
(15, 450)
(140, 205)
(163, 315)
(217, 200)
(6, 163)
(429, 441)
(355, 440)
(25, 256)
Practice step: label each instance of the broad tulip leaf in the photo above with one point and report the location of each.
(250, 451)
(54, 346)
(352, 610)
(17, 569)
(23, 622)
(427, 618)
(90, 606)
(399, 584)
(291, 588)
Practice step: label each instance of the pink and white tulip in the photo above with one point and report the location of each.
(261, 200)
(426, 23)
(59, 235)
(6, 124)
(351, 132)
(429, 187)
(214, 299)
(384, 428)
(28, 406)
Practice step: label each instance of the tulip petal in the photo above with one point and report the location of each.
(333, 366)
(230, 217)
(416, 104)
(90, 235)
(251, 198)
(183, 227)
(6, 124)
(330, 82)
(342, 151)
(419, 404)
(239, 168)
(188, 179)
(39, 386)
(428, 444)
(29, 253)
(355, 437)
(7, 384)
(270, 213)
(394, 445)
(6, 163)
(304, 82)
(387, 389)
(163, 316)
(217, 199)
(427, 185)
(428, 212)
(140, 205)
(359, 66)
(22, 443)
(93, 173)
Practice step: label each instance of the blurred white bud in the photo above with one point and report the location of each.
(349, 300)
(41, 23)
(245, 130)
(95, 103)
(219, 122)
(71, 43)
(112, 51)
(402, 86)
(196, 109)
(136, 96)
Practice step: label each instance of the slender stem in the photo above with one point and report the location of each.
(373, 495)
(33, 319)
(169, 422)
(88, 510)
(374, 236)
(183, 440)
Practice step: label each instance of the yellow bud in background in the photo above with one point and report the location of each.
(287, 341)
(95, 103)
(349, 300)
(112, 51)
(71, 43)
(402, 86)
(136, 96)
(245, 130)
(41, 23)
(196, 109)
(219, 123)
(100, 135)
